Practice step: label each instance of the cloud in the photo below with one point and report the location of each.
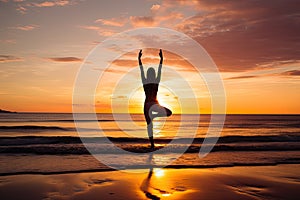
(140, 21)
(160, 15)
(242, 77)
(9, 58)
(26, 27)
(244, 35)
(52, 3)
(155, 7)
(291, 73)
(21, 9)
(100, 30)
(125, 63)
(8, 41)
(65, 59)
(116, 71)
(176, 3)
(171, 16)
(118, 22)
(23, 6)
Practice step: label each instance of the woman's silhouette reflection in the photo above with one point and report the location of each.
(145, 187)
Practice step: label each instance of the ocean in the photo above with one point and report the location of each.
(48, 143)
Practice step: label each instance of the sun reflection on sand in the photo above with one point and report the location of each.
(159, 172)
(159, 185)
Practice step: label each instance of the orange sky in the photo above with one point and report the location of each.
(255, 46)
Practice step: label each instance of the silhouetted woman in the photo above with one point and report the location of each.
(152, 108)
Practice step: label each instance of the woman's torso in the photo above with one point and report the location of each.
(151, 92)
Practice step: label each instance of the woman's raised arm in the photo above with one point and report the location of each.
(160, 66)
(141, 67)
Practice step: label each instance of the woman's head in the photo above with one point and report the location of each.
(151, 74)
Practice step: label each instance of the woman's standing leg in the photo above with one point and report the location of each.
(148, 116)
(150, 133)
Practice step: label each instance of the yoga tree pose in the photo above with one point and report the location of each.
(152, 108)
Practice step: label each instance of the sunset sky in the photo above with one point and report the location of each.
(255, 44)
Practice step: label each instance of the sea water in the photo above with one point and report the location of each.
(50, 143)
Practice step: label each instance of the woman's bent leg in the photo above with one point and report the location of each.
(160, 111)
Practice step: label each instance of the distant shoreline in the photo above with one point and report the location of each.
(6, 111)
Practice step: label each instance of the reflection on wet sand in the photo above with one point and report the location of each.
(146, 187)
(158, 186)
(266, 182)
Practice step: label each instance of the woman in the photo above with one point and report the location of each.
(152, 108)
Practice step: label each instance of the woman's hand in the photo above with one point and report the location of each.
(160, 54)
(140, 54)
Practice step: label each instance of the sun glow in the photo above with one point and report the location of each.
(167, 99)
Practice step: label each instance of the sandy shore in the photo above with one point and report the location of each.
(267, 182)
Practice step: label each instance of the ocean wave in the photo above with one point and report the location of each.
(50, 150)
(29, 140)
(108, 148)
(35, 128)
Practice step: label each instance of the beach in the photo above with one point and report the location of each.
(255, 182)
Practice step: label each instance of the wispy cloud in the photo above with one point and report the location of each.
(21, 9)
(125, 63)
(241, 77)
(9, 58)
(23, 6)
(176, 3)
(291, 73)
(140, 21)
(52, 3)
(8, 41)
(26, 27)
(65, 59)
(100, 30)
(155, 7)
(118, 22)
(157, 17)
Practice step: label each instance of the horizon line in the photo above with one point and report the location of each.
(47, 112)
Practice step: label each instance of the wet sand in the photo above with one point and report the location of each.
(263, 182)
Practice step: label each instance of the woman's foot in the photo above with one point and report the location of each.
(152, 142)
(152, 146)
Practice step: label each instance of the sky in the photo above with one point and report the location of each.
(255, 45)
